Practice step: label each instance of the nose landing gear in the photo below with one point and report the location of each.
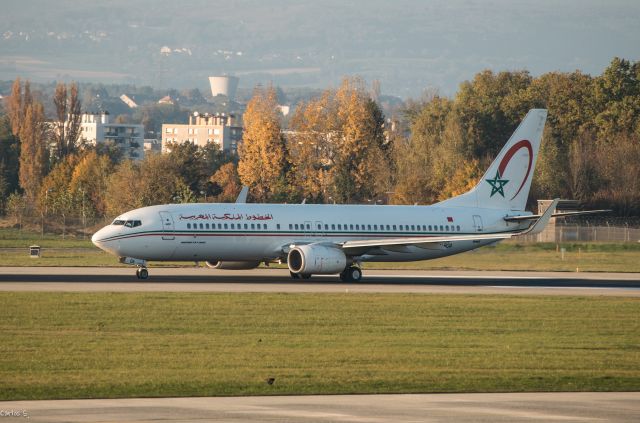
(141, 271)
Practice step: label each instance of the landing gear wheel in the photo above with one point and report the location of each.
(294, 275)
(306, 276)
(351, 274)
(142, 273)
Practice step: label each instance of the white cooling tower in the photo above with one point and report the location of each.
(225, 85)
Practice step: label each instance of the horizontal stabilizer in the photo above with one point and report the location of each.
(560, 215)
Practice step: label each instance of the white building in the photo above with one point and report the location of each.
(220, 128)
(96, 128)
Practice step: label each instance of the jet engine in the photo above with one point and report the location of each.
(313, 258)
(232, 265)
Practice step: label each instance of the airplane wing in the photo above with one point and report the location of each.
(363, 246)
(360, 247)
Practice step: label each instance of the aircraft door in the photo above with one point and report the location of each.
(477, 222)
(167, 226)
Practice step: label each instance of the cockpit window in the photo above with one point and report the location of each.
(132, 223)
(118, 222)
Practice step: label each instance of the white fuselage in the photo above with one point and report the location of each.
(263, 232)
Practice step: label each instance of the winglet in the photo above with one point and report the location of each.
(242, 197)
(541, 223)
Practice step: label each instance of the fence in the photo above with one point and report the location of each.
(585, 232)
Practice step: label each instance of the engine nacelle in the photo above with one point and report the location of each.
(232, 265)
(318, 259)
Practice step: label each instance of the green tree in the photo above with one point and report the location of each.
(9, 154)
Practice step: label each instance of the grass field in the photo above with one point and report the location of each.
(99, 345)
(506, 256)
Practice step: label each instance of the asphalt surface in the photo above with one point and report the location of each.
(521, 407)
(191, 279)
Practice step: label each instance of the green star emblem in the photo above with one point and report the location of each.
(497, 184)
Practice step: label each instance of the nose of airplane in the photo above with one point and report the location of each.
(97, 237)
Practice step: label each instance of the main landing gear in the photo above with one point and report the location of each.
(300, 275)
(351, 274)
(142, 273)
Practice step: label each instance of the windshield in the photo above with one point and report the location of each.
(118, 222)
(132, 223)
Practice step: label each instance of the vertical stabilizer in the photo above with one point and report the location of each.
(506, 183)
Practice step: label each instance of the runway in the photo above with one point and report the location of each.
(192, 279)
(525, 407)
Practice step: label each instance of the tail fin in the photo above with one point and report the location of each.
(506, 183)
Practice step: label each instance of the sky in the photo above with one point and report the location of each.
(408, 45)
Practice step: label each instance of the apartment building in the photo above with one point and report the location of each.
(129, 138)
(220, 128)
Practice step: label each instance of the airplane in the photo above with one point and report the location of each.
(321, 239)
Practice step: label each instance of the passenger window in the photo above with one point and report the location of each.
(339, 227)
(446, 228)
(207, 226)
(308, 226)
(458, 228)
(290, 226)
(233, 226)
(296, 226)
(201, 226)
(424, 228)
(375, 227)
(188, 225)
(388, 228)
(319, 226)
(326, 227)
(357, 227)
(219, 225)
(351, 227)
(441, 230)
(333, 227)
(264, 226)
(278, 226)
(225, 226)
(369, 227)
(429, 227)
(413, 228)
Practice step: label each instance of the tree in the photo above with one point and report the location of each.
(227, 181)
(67, 126)
(33, 150)
(9, 154)
(27, 123)
(358, 148)
(16, 206)
(263, 155)
(310, 146)
(18, 101)
(90, 178)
